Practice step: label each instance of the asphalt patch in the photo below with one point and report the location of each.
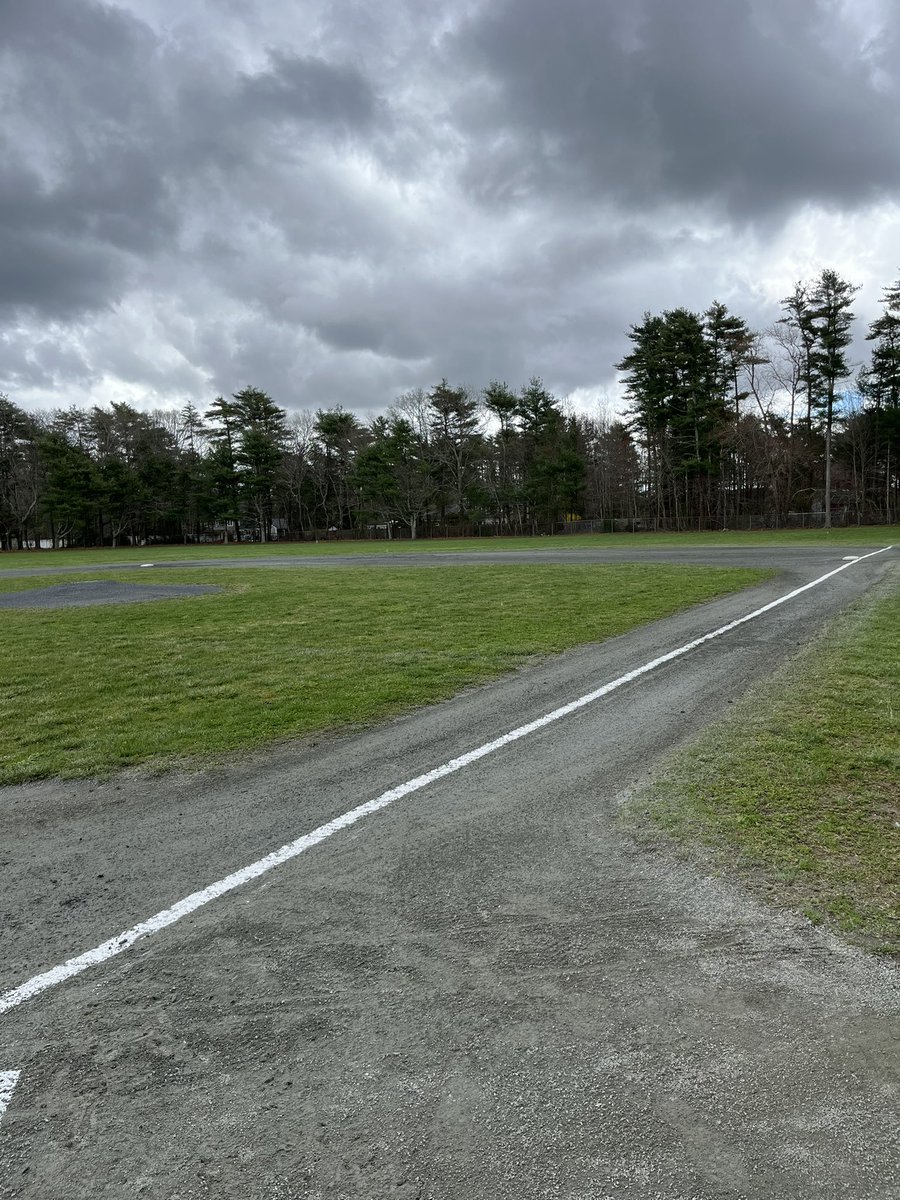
(100, 591)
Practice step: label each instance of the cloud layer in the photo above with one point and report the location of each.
(340, 201)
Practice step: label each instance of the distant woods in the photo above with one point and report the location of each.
(725, 425)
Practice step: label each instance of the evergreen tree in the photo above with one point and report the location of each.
(455, 445)
(799, 316)
(833, 318)
(339, 436)
(677, 411)
(553, 470)
(880, 385)
(69, 500)
(193, 502)
(731, 345)
(647, 387)
(222, 482)
(261, 433)
(503, 466)
(20, 475)
(395, 475)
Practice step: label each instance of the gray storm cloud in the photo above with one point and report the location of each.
(747, 105)
(336, 204)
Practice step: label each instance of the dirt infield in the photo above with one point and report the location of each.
(100, 591)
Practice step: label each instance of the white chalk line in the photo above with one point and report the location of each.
(8, 1081)
(168, 916)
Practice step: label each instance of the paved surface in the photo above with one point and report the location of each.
(485, 990)
(99, 591)
(794, 560)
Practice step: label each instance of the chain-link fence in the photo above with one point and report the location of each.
(744, 522)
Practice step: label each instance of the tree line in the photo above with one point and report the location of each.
(732, 421)
(724, 422)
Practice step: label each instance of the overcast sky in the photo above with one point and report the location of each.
(339, 201)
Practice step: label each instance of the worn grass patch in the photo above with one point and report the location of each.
(863, 535)
(799, 790)
(279, 654)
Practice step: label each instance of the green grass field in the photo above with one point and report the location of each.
(864, 535)
(281, 654)
(799, 790)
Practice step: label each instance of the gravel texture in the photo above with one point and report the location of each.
(99, 591)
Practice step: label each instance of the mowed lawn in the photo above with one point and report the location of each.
(280, 654)
(800, 788)
(862, 535)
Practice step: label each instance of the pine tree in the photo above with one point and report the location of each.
(20, 474)
(70, 496)
(553, 470)
(503, 467)
(832, 317)
(880, 385)
(394, 474)
(800, 317)
(261, 428)
(677, 412)
(731, 344)
(339, 437)
(647, 386)
(455, 444)
(222, 481)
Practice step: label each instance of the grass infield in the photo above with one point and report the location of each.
(799, 790)
(280, 654)
(862, 535)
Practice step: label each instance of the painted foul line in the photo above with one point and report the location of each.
(8, 1081)
(122, 941)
